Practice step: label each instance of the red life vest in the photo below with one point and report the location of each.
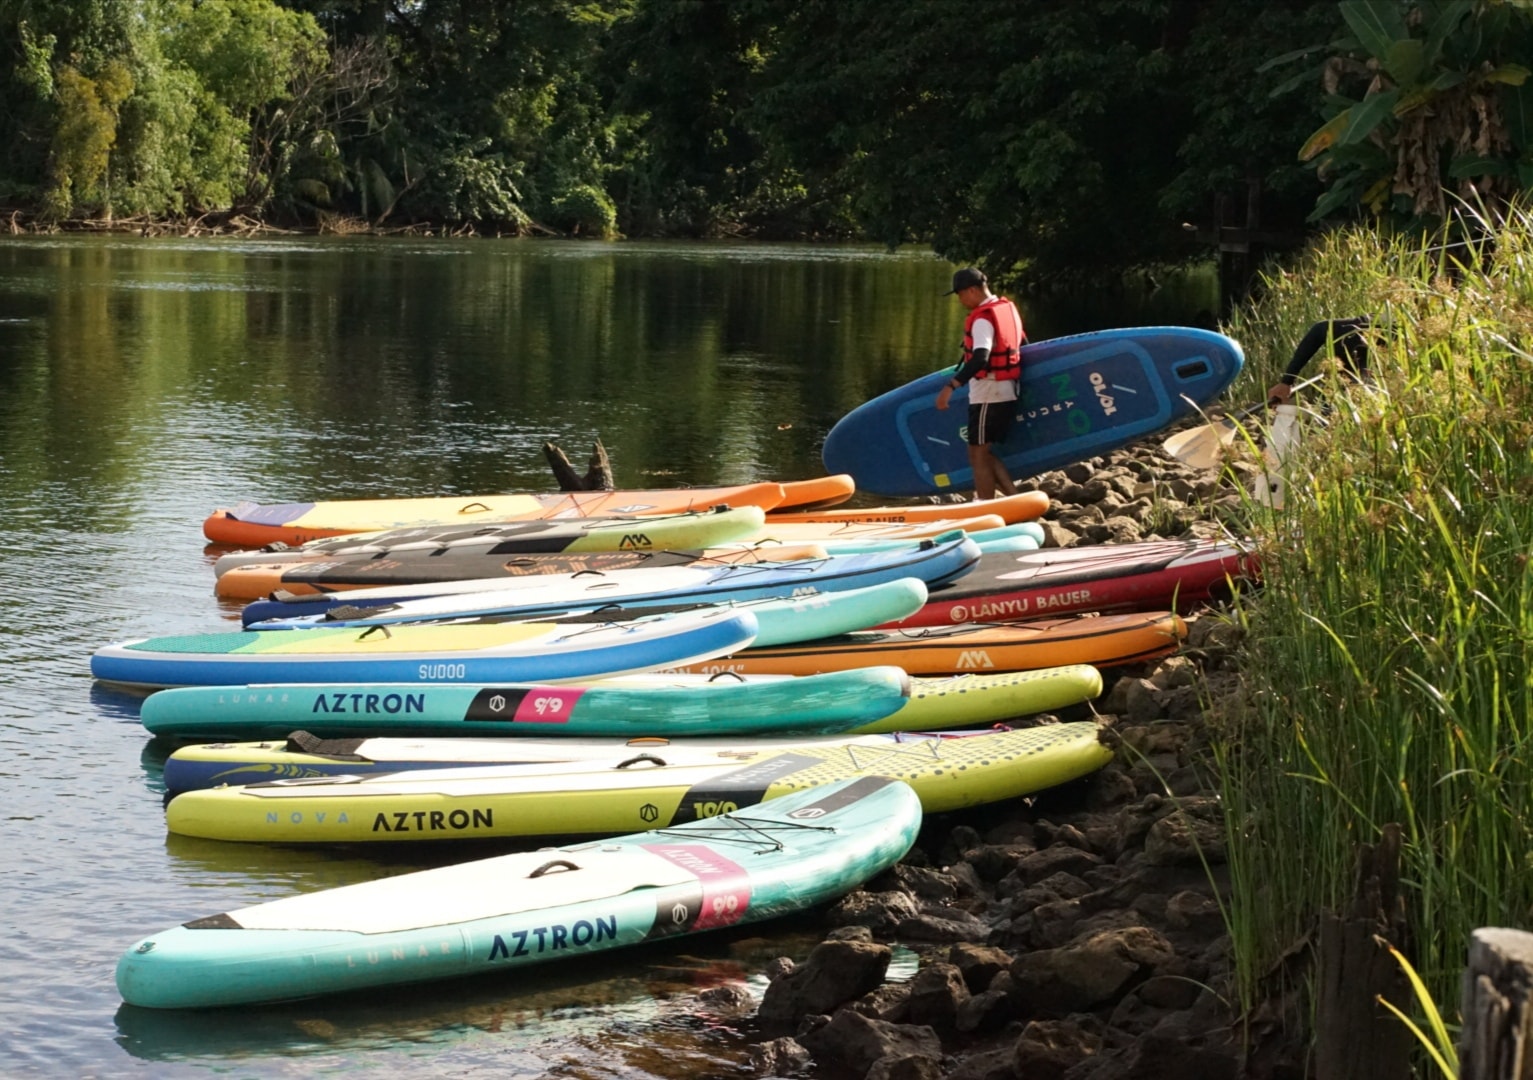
(1005, 361)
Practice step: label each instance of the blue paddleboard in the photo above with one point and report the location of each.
(1082, 395)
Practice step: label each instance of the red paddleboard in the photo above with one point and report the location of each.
(1153, 575)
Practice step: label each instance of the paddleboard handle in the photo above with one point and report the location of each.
(639, 759)
(553, 864)
(375, 626)
(473, 506)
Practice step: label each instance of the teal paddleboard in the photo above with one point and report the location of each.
(493, 915)
(829, 703)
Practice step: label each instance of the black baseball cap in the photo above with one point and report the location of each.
(967, 278)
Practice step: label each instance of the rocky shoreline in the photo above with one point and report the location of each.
(1079, 933)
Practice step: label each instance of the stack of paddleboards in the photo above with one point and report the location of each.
(720, 666)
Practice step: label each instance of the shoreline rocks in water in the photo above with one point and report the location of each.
(1079, 933)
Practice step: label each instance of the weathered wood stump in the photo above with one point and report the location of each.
(1498, 981)
(1356, 1038)
(598, 475)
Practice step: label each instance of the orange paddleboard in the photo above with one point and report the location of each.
(817, 492)
(1102, 640)
(253, 524)
(1023, 506)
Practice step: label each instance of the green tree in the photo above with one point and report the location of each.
(497, 113)
(37, 37)
(1424, 100)
(1045, 139)
(685, 73)
(247, 55)
(87, 130)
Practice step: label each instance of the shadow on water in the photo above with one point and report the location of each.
(117, 703)
(646, 998)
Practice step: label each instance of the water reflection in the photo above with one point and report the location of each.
(640, 1009)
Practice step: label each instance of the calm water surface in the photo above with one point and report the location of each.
(145, 382)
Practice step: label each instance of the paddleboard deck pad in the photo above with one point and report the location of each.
(492, 915)
(1081, 396)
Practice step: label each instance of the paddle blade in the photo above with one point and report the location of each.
(1201, 447)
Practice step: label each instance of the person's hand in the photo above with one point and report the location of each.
(1281, 394)
(944, 395)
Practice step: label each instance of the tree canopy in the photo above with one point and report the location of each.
(1038, 138)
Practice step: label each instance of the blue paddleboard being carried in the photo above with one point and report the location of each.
(1080, 396)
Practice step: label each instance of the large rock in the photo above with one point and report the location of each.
(858, 1041)
(1092, 971)
(979, 964)
(1049, 1047)
(879, 912)
(897, 1067)
(1194, 833)
(992, 862)
(835, 972)
(779, 1057)
(937, 993)
(944, 926)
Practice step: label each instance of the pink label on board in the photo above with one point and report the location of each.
(547, 705)
(726, 885)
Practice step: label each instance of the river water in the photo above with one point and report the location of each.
(145, 382)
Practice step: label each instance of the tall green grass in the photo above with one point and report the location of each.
(1389, 663)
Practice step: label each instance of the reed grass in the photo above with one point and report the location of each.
(1389, 664)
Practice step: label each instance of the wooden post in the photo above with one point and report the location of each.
(1356, 1038)
(1498, 982)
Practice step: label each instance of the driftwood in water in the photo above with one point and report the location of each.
(1496, 1042)
(598, 475)
(1355, 1036)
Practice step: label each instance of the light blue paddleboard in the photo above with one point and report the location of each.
(1082, 395)
(463, 652)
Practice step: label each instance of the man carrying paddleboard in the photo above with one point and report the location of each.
(992, 362)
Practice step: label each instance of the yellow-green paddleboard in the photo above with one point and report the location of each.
(637, 790)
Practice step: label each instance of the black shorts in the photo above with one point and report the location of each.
(991, 422)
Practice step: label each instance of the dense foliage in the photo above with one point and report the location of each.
(1036, 137)
(1427, 102)
(1390, 663)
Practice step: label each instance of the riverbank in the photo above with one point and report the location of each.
(1081, 932)
(1169, 916)
(231, 224)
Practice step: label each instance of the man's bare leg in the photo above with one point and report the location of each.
(1002, 476)
(982, 464)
